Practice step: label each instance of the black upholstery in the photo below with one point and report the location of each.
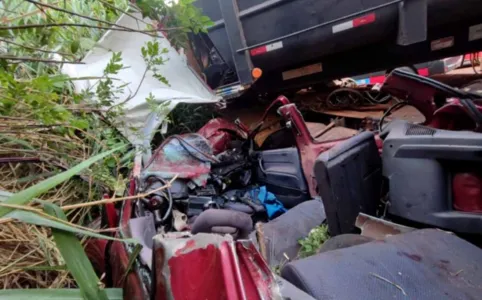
(349, 181)
(424, 264)
(280, 170)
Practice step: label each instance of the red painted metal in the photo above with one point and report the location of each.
(187, 156)
(111, 213)
(467, 192)
(209, 266)
(257, 277)
(219, 132)
(95, 250)
(309, 149)
(451, 116)
(118, 261)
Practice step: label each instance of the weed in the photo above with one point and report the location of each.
(313, 241)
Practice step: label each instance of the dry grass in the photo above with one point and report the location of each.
(28, 255)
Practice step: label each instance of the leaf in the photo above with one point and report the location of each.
(87, 43)
(35, 219)
(52, 294)
(16, 141)
(75, 258)
(74, 46)
(132, 260)
(26, 196)
(80, 123)
(45, 268)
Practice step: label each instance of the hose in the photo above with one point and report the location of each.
(382, 119)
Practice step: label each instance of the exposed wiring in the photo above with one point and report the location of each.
(389, 111)
(209, 157)
(375, 99)
(186, 145)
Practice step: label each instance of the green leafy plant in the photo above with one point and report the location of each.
(313, 241)
(176, 18)
(66, 133)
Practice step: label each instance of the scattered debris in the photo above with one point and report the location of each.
(386, 280)
(457, 273)
(378, 228)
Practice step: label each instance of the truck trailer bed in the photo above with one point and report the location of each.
(300, 42)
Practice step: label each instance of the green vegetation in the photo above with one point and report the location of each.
(62, 146)
(314, 240)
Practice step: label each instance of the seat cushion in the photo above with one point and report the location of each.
(282, 234)
(423, 264)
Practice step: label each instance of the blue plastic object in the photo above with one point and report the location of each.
(273, 207)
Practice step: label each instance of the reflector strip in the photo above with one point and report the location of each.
(377, 79)
(423, 72)
(381, 78)
(363, 20)
(266, 48)
(223, 92)
(475, 32)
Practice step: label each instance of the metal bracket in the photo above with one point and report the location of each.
(237, 40)
(412, 22)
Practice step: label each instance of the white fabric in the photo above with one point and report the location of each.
(185, 85)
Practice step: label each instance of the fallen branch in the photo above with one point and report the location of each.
(386, 280)
(29, 14)
(41, 213)
(131, 96)
(91, 18)
(122, 11)
(75, 14)
(35, 49)
(19, 58)
(112, 200)
(147, 32)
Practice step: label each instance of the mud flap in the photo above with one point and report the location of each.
(412, 22)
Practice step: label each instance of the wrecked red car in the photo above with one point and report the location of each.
(219, 212)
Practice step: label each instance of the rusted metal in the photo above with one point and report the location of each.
(260, 239)
(354, 114)
(377, 228)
